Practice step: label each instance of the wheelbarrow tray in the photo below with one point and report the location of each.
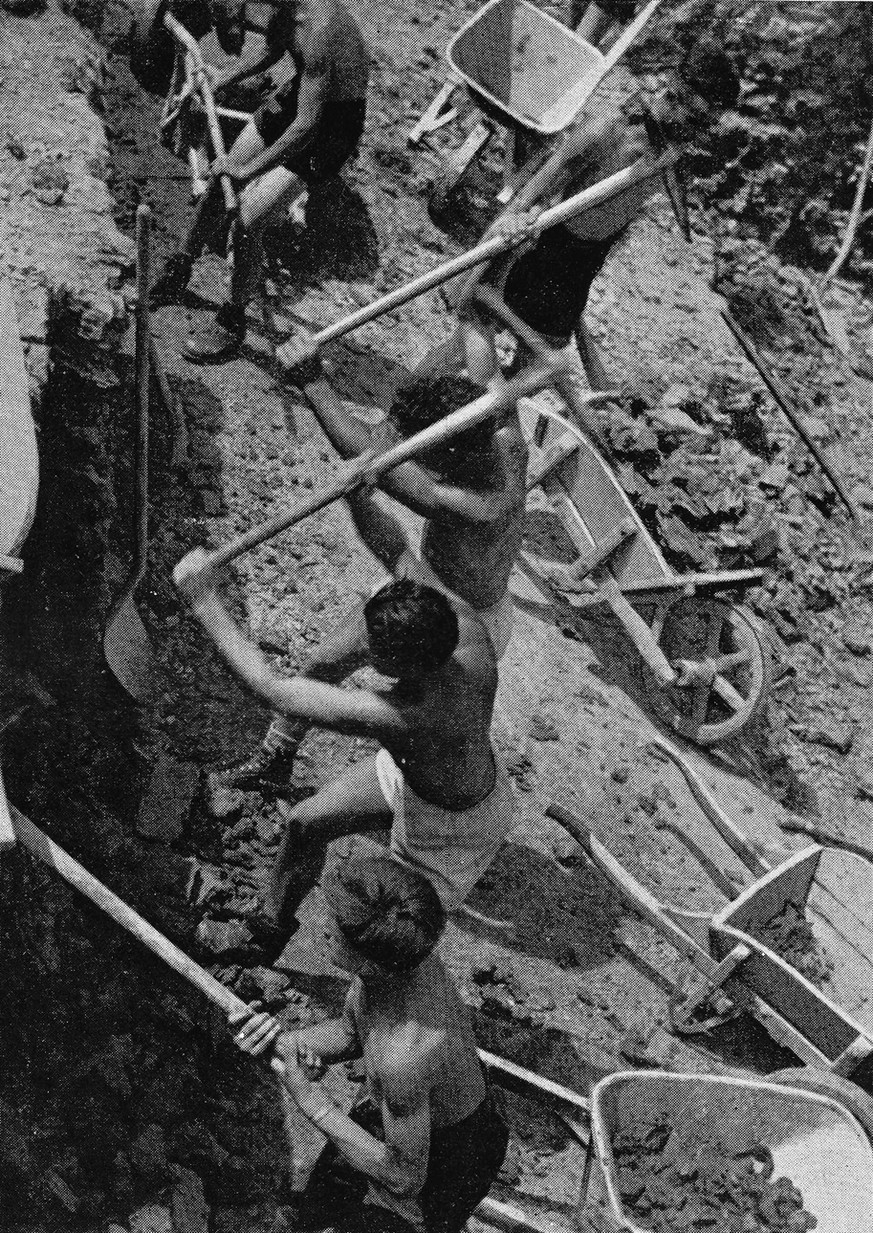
(527, 66)
(814, 1140)
(591, 503)
(834, 889)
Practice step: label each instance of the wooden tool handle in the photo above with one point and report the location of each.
(207, 98)
(143, 354)
(367, 468)
(737, 840)
(122, 913)
(587, 199)
(783, 401)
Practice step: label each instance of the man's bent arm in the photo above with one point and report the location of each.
(248, 69)
(348, 436)
(335, 1040)
(409, 483)
(399, 1163)
(300, 134)
(356, 712)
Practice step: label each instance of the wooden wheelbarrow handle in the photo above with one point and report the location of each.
(183, 36)
(587, 199)
(367, 468)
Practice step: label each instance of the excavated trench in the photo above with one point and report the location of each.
(122, 1101)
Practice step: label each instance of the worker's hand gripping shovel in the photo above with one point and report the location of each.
(366, 470)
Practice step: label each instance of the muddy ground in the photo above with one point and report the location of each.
(565, 978)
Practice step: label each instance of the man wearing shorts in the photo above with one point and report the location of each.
(472, 495)
(437, 781)
(548, 285)
(422, 1150)
(301, 136)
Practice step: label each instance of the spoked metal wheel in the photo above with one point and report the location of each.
(723, 661)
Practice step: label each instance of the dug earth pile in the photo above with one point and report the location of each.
(127, 1105)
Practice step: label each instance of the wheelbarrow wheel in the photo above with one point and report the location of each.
(152, 47)
(822, 1083)
(722, 652)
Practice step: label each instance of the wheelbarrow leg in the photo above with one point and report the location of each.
(437, 115)
(705, 989)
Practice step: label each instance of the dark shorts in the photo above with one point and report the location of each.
(548, 287)
(464, 1161)
(338, 137)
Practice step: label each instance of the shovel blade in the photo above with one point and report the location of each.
(129, 653)
(7, 833)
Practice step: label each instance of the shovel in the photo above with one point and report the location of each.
(367, 467)
(126, 646)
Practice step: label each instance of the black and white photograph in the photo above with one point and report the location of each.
(436, 616)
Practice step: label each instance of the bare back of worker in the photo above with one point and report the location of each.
(422, 1028)
(445, 747)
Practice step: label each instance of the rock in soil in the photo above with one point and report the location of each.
(672, 1183)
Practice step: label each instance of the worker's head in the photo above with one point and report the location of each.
(387, 918)
(412, 629)
(702, 86)
(423, 402)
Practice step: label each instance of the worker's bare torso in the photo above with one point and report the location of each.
(446, 754)
(425, 1025)
(475, 559)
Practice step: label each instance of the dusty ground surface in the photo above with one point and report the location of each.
(566, 979)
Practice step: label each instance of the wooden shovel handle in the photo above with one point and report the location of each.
(367, 468)
(122, 913)
(587, 199)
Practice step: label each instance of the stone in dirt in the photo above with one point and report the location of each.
(857, 638)
(151, 1219)
(264, 984)
(710, 1180)
(166, 804)
(830, 734)
(225, 939)
(148, 1156)
(188, 1207)
(223, 803)
(542, 728)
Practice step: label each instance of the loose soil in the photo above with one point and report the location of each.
(564, 977)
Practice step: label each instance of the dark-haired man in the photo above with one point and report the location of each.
(429, 1141)
(436, 781)
(471, 493)
(548, 286)
(301, 136)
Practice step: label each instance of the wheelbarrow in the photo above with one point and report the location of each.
(527, 74)
(811, 1140)
(732, 951)
(166, 59)
(836, 1124)
(707, 654)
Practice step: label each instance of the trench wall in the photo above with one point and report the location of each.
(119, 1100)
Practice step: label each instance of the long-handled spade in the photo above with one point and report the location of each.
(126, 644)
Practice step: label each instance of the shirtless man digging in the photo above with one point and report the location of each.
(301, 136)
(436, 782)
(472, 494)
(428, 1143)
(548, 286)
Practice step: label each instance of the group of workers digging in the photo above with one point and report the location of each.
(430, 1139)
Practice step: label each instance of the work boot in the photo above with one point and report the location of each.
(221, 340)
(267, 770)
(172, 282)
